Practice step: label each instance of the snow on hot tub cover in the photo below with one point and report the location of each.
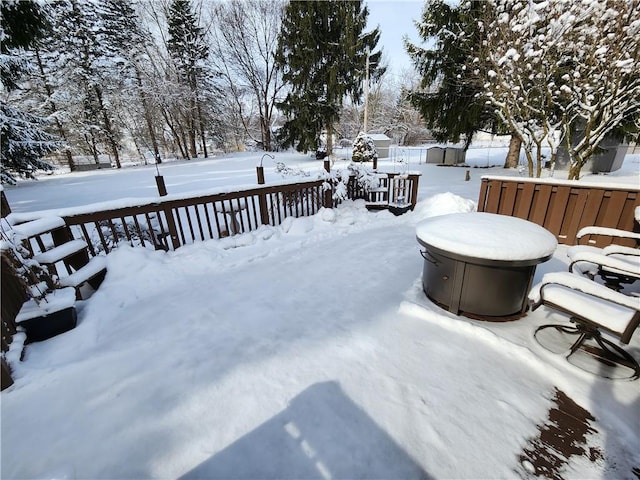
(487, 235)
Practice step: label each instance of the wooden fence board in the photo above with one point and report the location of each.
(557, 209)
(493, 201)
(615, 208)
(575, 210)
(484, 194)
(541, 204)
(628, 213)
(592, 206)
(525, 200)
(508, 199)
(563, 208)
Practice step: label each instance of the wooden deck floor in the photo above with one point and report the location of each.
(563, 435)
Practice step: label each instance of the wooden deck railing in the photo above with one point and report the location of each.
(169, 223)
(562, 207)
(394, 187)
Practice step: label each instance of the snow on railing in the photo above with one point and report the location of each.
(172, 221)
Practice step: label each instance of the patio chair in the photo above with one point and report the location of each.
(614, 264)
(592, 308)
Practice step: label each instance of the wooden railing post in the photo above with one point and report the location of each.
(264, 211)
(328, 193)
(162, 188)
(262, 197)
(415, 178)
(171, 228)
(5, 209)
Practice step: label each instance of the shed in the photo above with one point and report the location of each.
(382, 143)
(82, 163)
(446, 155)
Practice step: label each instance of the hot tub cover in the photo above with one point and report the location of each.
(487, 236)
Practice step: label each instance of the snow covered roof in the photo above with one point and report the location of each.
(378, 136)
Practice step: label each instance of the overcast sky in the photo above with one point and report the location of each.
(395, 19)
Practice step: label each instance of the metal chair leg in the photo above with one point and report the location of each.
(619, 355)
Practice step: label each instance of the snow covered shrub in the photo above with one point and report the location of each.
(286, 171)
(364, 149)
(353, 182)
(365, 177)
(114, 234)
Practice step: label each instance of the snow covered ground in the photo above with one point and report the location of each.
(306, 350)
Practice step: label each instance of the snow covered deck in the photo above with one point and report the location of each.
(303, 350)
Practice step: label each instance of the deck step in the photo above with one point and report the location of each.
(61, 252)
(38, 227)
(53, 302)
(95, 267)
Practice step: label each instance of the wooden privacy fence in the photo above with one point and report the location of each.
(562, 207)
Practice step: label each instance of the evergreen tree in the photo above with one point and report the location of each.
(188, 49)
(323, 51)
(449, 99)
(79, 46)
(23, 140)
(364, 149)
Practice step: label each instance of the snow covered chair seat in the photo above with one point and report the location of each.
(611, 264)
(615, 264)
(592, 307)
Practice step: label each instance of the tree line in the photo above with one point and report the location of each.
(158, 78)
(177, 78)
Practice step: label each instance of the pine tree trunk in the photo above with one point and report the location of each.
(513, 155)
(193, 127)
(92, 146)
(329, 140)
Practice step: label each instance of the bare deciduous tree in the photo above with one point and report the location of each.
(243, 46)
(555, 68)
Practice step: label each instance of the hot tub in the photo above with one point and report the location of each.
(481, 263)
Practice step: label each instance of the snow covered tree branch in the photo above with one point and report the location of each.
(563, 70)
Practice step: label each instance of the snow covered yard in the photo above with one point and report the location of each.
(306, 350)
